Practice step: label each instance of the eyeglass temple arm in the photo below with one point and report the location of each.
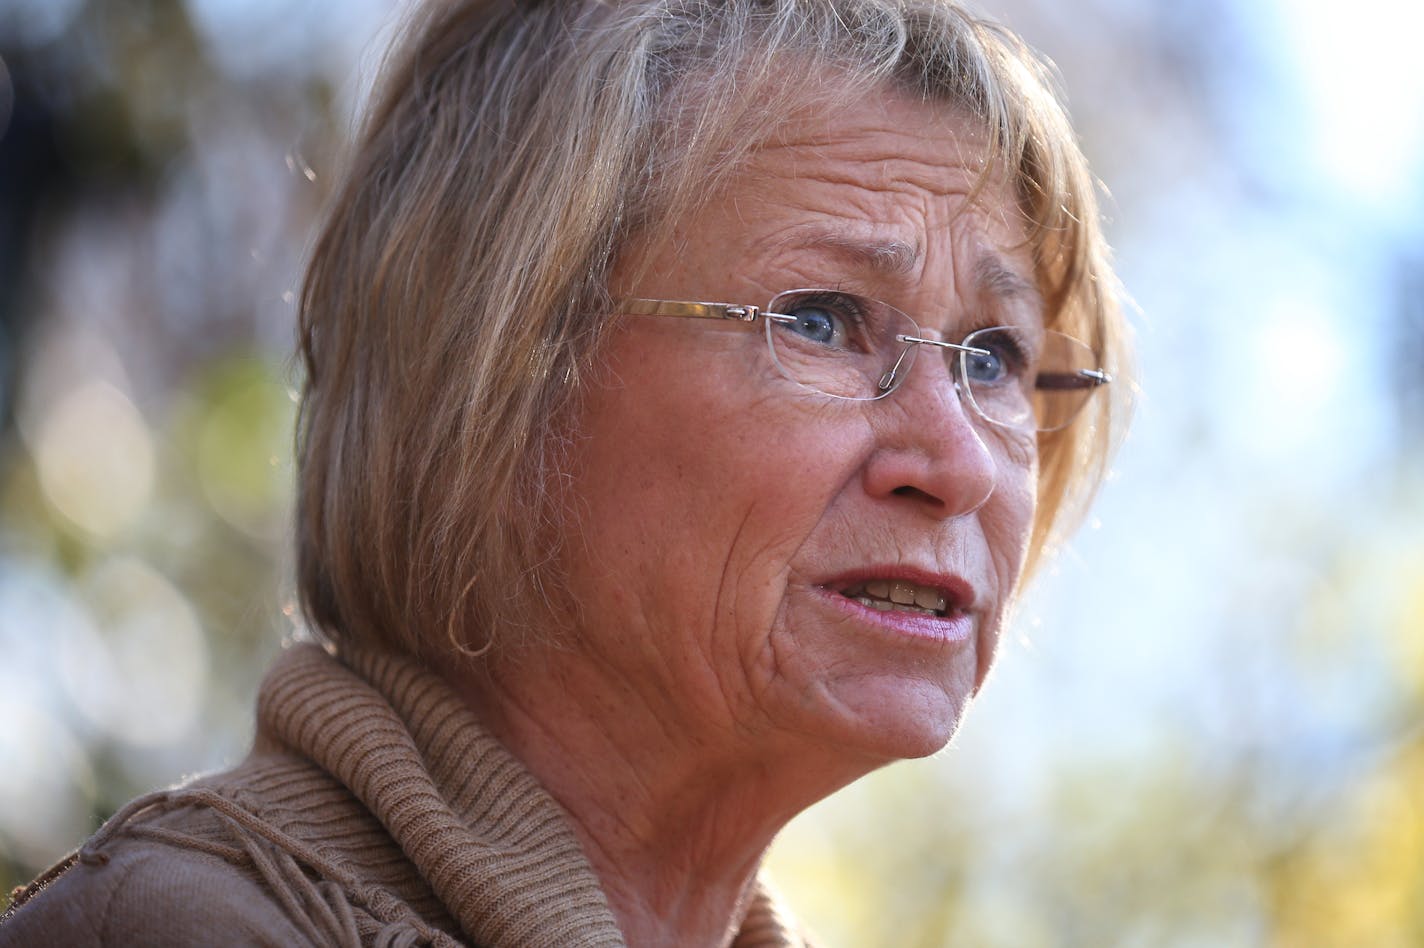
(941, 344)
(1065, 381)
(736, 311)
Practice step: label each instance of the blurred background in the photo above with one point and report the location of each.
(1208, 725)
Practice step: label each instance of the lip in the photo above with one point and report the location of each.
(957, 626)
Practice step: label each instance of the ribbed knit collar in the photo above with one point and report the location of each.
(494, 846)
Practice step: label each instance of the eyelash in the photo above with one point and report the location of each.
(843, 302)
(1014, 339)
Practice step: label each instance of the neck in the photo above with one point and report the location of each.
(674, 816)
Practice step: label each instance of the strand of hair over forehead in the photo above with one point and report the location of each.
(769, 56)
(758, 59)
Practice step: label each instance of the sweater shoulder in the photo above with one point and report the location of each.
(148, 893)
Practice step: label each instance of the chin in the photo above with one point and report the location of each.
(897, 720)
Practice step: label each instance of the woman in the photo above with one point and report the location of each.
(689, 386)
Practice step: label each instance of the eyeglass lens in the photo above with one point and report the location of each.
(848, 346)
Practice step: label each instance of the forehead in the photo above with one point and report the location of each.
(897, 144)
(886, 194)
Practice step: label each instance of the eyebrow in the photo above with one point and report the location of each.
(899, 258)
(890, 257)
(991, 274)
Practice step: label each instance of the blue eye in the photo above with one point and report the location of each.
(818, 324)
(827, 317)
(1003, 357)
(988, 368)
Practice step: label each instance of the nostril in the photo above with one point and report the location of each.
(913, 492)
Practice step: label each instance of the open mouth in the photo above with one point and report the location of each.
(901, 596)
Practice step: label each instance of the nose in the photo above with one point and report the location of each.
(930, 451)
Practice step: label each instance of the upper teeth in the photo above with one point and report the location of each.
(880, 593)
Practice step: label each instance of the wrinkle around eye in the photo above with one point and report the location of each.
(1020, 446)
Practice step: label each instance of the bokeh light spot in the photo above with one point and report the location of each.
(36, 22)
(1300, 357)
(48, 784)
(246, 427)
(1368, 106)
(142, 678)
(95, 458)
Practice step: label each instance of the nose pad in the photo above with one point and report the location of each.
(896, 376)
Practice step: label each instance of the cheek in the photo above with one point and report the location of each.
(1008, 517)
(690, 497)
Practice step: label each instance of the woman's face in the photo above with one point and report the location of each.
(724, 514)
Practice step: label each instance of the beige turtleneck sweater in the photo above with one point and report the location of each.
(373, 810)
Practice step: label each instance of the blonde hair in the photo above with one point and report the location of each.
(510, 151)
